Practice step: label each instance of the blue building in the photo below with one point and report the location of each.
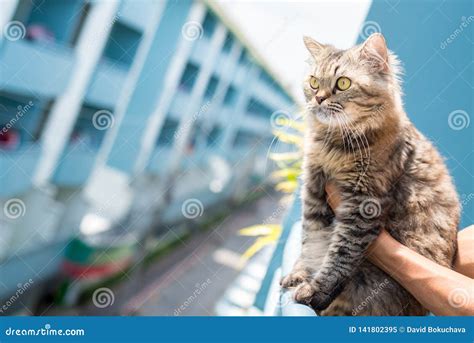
(113, 114)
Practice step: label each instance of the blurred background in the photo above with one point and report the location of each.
(149, 148)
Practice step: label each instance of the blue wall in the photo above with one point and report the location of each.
(438, 77)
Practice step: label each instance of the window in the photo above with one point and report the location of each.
(230, 96)
(257, 108)
(18, 120)
(244, 58)
(214, 135)
(196, 133)
(189, 77)
(211, 87)
(168, 132)
(267, 78)
(84, 12)
(122, 44)
(85, 129)
(229, 41)
(43, 118)
(244, 139)
(209, 24)
(50, 21)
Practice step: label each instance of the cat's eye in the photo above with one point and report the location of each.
(343, 83)
(313, 82)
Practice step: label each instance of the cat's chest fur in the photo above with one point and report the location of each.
(335, 163)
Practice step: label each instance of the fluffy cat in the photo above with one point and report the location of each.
(389, 175)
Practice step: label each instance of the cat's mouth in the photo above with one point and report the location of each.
(331, 113)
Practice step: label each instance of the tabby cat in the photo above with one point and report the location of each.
(389, 176)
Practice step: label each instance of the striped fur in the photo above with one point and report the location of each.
(390, 176)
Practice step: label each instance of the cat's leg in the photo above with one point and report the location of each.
(357, 224)
(317, 217)
(314, 246)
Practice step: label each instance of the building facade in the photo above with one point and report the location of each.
(114, 114)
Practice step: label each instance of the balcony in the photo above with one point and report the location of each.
(38, 68)
(269, 95)
(224, 62)
(241, 74)
(106, 84)
(180, 103)
(16, 169)
(135, 13)
(75, 166)
(78, 158)
(200, 51)
(157, 164)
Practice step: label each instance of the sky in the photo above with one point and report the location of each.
(276, 28)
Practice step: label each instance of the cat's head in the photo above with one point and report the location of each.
(355, 87)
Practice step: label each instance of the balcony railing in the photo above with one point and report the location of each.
(16, 169)
(271, 299)
(34, 67)
(75, 166)
(106, 84)
(135, 14)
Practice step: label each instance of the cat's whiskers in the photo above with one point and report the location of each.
(364, 163)
(355, 134)
(364, 137)
(329, 128)
(347, 131)
(335, 109)
(341, 129)
(275, 138)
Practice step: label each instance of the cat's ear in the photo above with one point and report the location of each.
(313, 47)
(374, 51)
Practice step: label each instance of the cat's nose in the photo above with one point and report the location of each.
(320, 99)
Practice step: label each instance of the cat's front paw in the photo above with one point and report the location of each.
(310, 293)
(305, 292)
(294, 278)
